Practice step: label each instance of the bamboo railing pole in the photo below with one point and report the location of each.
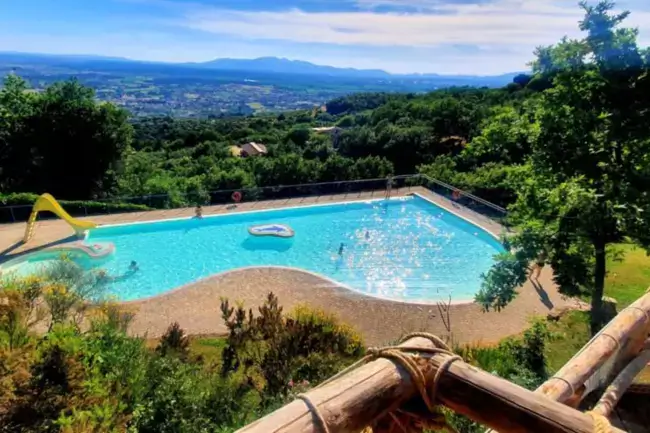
(567, 385)
(355, 400)
(629, 323)
(617, 388)
(504, 406)
(348, 404)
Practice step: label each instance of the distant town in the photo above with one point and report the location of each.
(204, 90)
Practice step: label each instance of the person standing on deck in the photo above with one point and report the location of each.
(540, 262)
(389, 186)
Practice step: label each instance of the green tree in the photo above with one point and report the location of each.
(78, 140)
(61, 140)
(589, 168)
(16, 105)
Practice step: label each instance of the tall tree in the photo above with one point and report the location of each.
(62, 140)
(16, 105)
(78, 140)
(589, 167)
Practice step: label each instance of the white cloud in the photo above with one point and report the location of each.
(504, 31)
(504, 22)
(483, 37)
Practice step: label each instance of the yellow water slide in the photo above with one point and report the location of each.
(48, 203)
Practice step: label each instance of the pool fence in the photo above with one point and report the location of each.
(400, 185)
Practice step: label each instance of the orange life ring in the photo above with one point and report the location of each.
(236, 196)
(455, 195)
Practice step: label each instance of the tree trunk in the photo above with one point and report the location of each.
(599, 287)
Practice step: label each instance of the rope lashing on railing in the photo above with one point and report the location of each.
(407, 357)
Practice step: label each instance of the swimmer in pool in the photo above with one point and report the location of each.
(198, 212)
(102, 275)
(367, 235)
(341, 248)
(103, 278)
(133, 267)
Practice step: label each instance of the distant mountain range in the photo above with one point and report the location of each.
(287, 66)
(272, 65)
(222, 86)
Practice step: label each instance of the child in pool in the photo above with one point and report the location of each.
(133, 267)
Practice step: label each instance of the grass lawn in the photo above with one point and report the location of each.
(208, 347)
(627, 279)
(570, 333)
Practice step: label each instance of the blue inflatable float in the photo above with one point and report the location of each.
(277, 230)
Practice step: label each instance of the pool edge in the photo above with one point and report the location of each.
(333, 282)
(464, 218)
(336, 203)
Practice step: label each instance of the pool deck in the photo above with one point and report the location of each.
(196, 306)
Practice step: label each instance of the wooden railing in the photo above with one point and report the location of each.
(369, 393)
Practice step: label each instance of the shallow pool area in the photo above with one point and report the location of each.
(38, 262)
(405, 249)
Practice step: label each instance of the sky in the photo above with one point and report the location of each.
(477, 37)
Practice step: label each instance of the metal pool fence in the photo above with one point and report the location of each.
(363, 188)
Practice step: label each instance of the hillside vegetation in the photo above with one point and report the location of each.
(100, 154)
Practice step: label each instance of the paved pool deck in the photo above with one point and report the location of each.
(196, 306)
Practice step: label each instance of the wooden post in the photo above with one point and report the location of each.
(353, 401)
(617, 388)
(348, 404)
(567, 385)
(629, 323)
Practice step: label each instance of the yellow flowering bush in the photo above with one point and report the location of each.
(305, 346)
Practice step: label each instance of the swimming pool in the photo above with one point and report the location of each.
(405, 249)
(87, 257)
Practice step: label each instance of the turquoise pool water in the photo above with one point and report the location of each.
(404, 249)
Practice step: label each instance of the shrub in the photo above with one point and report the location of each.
(68, 291)
(100, 379)
(528, 351)
(18, 311)
(174, 342)
(73, 207)
(306, 345)
(183, 398)
(518, 359)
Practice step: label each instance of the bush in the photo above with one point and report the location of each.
(73, 207)
(306, 345)
(174, 342)
(100, 379)
(518, 359)
(184, 398)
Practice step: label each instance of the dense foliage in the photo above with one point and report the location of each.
(68, 365)
(85, 374)
(61, 139)
(185, 158)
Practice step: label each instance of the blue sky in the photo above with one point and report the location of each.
(443, 36)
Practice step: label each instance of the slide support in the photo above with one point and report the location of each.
(48, 203)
